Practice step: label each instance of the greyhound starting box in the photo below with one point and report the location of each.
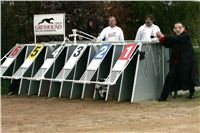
(121, 71)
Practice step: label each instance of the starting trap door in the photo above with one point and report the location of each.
(52, 52)
(91, 70)
(69, 65)
(102, 72)
(95, 63)
(148, 79)
(121, 63)
(10, 59)
(75, 60)
(48, 87)
(50, 59)
(28, 62)
(14, 66)
(124, 67)
(29, 67)
(72, 70)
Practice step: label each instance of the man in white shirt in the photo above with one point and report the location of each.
(147, 31)
(111, 33)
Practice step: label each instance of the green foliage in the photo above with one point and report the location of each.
(197, 51)
(17, 17)
(4, 86)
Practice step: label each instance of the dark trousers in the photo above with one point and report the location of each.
(14, 85)
(172, 83)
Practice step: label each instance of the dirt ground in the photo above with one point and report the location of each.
(23, 114)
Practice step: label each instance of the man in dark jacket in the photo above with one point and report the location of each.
(183, 72)
(93, 27)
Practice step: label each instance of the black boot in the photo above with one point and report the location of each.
(163, 97)
(191, 96)
(175, 94)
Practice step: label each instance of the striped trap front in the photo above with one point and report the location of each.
(113, 76)
(40, 73)
(20, 72)
(2, 70)
(63, 74)
(88, 74)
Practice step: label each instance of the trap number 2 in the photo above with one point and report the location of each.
(103, 51)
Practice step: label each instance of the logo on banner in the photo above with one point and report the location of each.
(48, 20)
(49, 24)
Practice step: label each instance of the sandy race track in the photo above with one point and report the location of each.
(22, 114)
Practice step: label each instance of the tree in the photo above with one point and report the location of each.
(17, 17)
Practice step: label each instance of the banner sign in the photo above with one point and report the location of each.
(49, 24)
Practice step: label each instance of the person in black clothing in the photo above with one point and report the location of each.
(183, 73)
(93, 27)
(14, 86)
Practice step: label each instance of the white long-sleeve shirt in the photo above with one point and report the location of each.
(112, 34)
(144, 33)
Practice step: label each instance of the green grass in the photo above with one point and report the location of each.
(197, 52)
(4, 86)
(197, 93)
(182, 98)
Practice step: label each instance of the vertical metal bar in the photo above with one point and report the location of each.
(163, 64)
(120, 89)
(31, 76)
(35, 40)
(75, 35)
(66, 58)
(112, 63)
(13, 71)
(50, 86)
(88, 61)
(94, 94)
(26, 55)
(39, 90)
(72, 88)
(136, 73)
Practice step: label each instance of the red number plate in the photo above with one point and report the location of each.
(16, 51)
(127, 52)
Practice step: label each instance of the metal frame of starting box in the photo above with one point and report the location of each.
(75, 71)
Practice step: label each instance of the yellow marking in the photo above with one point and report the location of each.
(35, 52)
